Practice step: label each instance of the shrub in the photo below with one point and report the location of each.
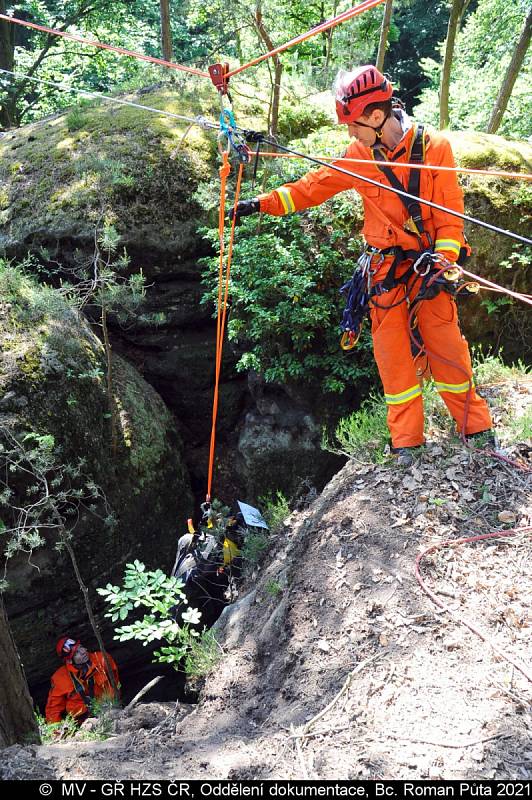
(364, 434)
(275, 510)
(159, 594)
(285, 300)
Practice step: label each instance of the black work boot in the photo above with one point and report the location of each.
(405, 455)
(483, 440)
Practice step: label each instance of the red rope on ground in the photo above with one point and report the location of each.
(435, 599)
(324, 26)
(93, 43)
(223, 295)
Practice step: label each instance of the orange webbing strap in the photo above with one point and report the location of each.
(223, 294)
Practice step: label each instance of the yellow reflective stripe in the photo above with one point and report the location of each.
(455, 388)
(403, 397)
(448, 244)
(286, 199)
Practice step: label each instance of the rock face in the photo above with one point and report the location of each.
(53, 383)
(61, 177)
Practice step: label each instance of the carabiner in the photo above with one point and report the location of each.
(424, 257)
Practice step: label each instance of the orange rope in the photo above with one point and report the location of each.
(102, 45)
(527, 176)
(223, 295)
(324, 26)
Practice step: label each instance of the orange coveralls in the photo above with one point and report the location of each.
(384, 216)
(64, 698)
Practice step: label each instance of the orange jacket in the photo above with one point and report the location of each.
(64, 698)
(384, 213)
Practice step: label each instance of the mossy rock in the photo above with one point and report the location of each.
(53, 382)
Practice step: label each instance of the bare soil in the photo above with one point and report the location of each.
(336, 664)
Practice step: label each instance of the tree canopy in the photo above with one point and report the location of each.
(200, 32)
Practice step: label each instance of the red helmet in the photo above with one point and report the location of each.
(357, 89)
(66, 647)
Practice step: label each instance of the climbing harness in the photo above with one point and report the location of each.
(414, 223)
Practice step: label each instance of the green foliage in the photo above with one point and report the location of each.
(275, 510)
(254, 546)
(298, 120)
(364, 434)
(157, 595)
(519, 429)
(419, 29)
(101, 724)
(484, 48)
(273, 588)
(29, 302)
(202, 656)
(50, 732)
(40, 493)
(285, 300)
(489, 368)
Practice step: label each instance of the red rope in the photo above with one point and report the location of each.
(93, 43)
(525, 298)
(324, 26)
(435, 599)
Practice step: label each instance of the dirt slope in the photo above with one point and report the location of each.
(337, 607)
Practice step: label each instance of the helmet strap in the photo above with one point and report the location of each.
(378, 130)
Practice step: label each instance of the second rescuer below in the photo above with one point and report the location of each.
(383, 131)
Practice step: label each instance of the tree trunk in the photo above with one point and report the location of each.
(511, 75)
(110, 399)
(17, 720)
(278, 70)
(166, 33)
(454, 19)
(385, 30)
(7, 61)
(88, 606)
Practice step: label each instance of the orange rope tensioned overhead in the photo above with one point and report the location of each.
(223, 294)
(102, 45)
(324, 26)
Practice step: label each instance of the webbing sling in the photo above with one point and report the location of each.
(80, 689)
(414, 223)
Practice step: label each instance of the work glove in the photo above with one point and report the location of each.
(245, 208)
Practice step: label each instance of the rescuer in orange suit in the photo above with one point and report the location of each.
(382, 131)
(82, 678)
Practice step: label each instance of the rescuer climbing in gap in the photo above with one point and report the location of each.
(82, 678)
(397, 231)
